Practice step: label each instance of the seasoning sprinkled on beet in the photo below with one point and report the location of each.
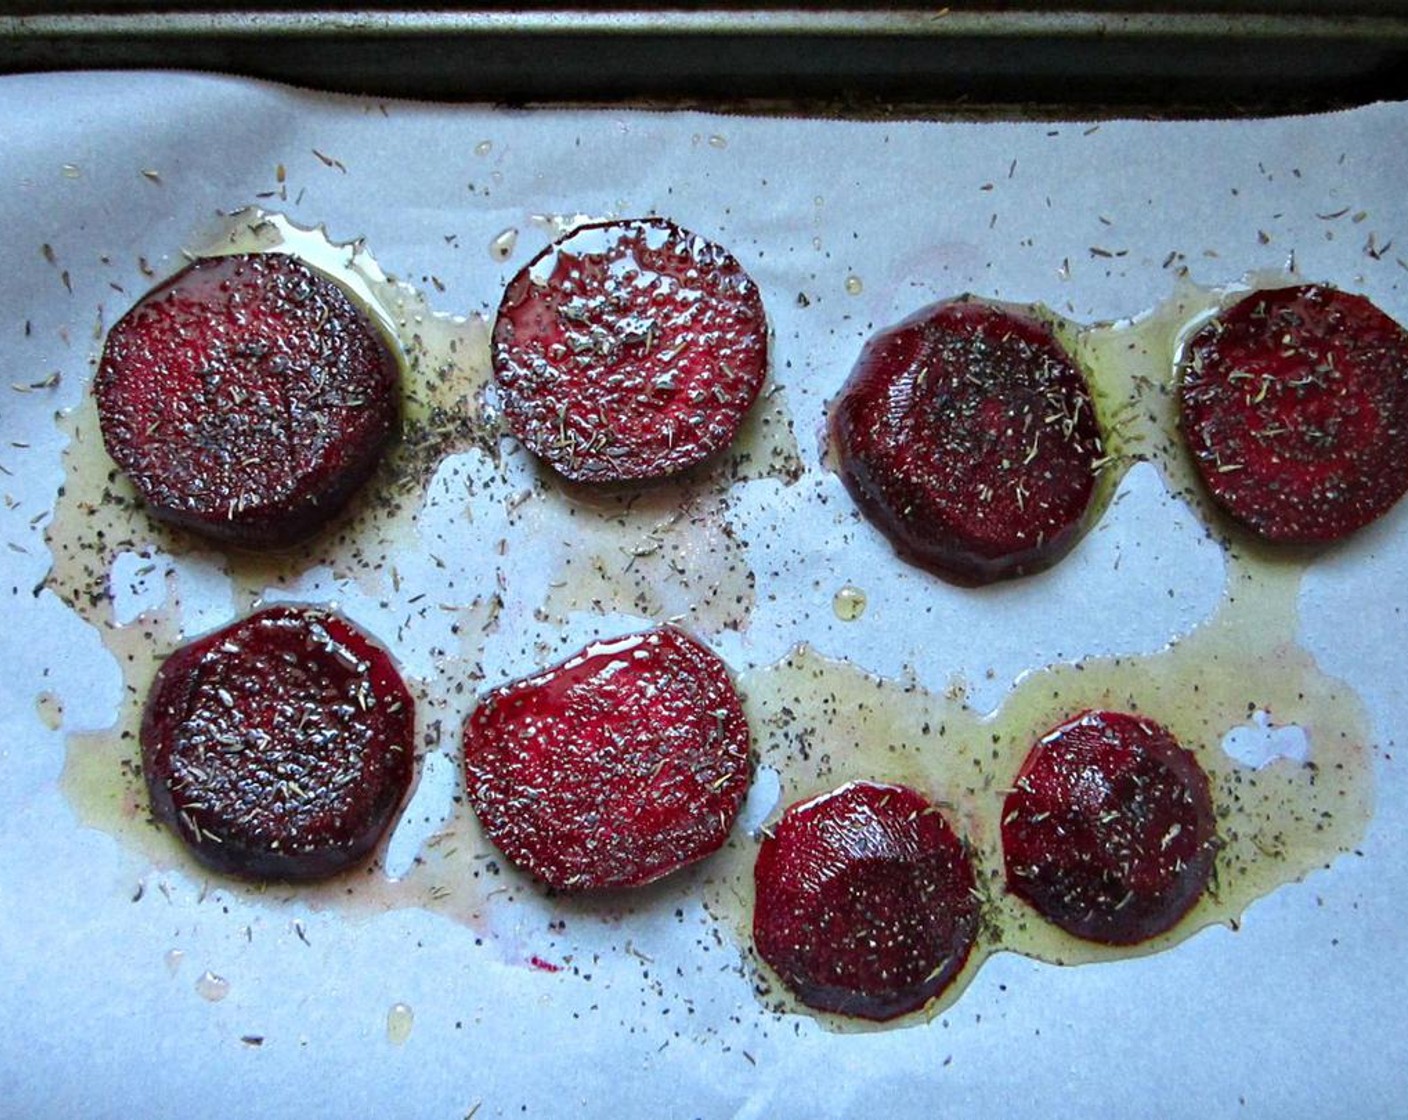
(247, 398)
(968, 435)
(629, 350)
(1295, 408)
(1109, 829)
(280, 747)
(866, 902)
(620, 765)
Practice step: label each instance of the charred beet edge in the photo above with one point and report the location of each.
(866, 903)
(1109, 831)
(967, 434)
(616, 767)
(280, 747)
(1295, 409)
(629, 350)
(247, 398)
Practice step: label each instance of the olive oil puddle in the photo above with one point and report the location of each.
(1133, 370)
(821, 723)
(665, 552)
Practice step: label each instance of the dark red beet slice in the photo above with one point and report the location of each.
(247, 398)
(629, 350)
(614, 768)
(968, 435)
(1295, 408)
(866, 901)
(1109, 832)
(279, 747)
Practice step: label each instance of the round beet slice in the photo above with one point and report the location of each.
(614, 768)
(247, 398)
(1109, 831)
(629, 350)
(866, 901)
(968, 435)
(1295, 408)
(279, 747)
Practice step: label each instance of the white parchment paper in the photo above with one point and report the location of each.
(847, 227)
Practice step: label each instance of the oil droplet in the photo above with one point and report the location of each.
(211, 987)
(484, 147)
(50, 708)
(849, 603)
(717, 141)
(501, 248)
(853, 285)
(399, 1021)
(173, 959)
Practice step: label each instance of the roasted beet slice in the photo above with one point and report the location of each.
(1295, 409)
(247, 398)
(866, 901)
(614, 768)
(629, 350)
(279, 747)
(1109, 830)
(968, 435)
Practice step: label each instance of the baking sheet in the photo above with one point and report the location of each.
(644, 1007)
(1210, 57)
